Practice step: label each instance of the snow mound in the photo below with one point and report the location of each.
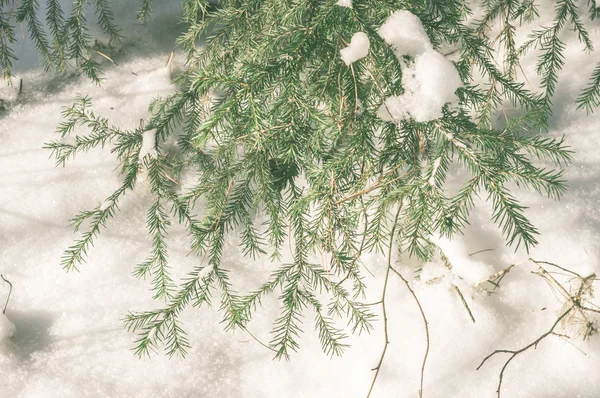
(7, 328)
(405, 33)
(429, 83)
(358, 48)
(345, 3)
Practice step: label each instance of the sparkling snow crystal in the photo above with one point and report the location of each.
(345, 3)
(429, 83)
(7, 328)
(358, 48)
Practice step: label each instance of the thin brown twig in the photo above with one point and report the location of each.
(481, 251)
(514, 353)
(9, 293)
(385, 284)
(257, 339)
(462, 298)
(412, 292)
(379, 183)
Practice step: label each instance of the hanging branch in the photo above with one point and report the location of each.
(412, 292)
(385, 320)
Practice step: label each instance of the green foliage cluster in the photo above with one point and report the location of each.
(62, 38)
(287, 145)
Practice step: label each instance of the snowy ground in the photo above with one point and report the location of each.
(70, 341)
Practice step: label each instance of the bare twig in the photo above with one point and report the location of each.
(496, 278)
(412, 292)
(385, 284)
(574, 305)
(462, 298)
(9, 293)
(258, 340)
(481, 251)
(514, 353)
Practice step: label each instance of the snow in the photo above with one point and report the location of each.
(70, 341)
(436, 166)
(429, 83)
(405, 33)
(148, 144)
(345, 3)
(7, 329)
(358, 48)
(105, 205)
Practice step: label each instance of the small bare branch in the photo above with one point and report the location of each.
(9, 293)
(514, 353)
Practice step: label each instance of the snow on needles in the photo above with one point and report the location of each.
(345, 3)
(429, 83)
(358, 48)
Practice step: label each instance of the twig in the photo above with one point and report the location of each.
(498, 275)
(514, 353)
(481, 251)
(258, 340)
(464, 302)
(557, 266)
(385, 284)
(106, 56)
(9, 293)
(412, 292)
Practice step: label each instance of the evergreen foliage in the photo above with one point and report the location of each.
(287, 144)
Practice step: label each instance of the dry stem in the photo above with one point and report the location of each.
(9, 293)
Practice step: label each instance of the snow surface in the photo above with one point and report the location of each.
(70, 341)
(358, 48)
(7, 329)
(148, 144)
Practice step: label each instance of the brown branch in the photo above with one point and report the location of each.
(257, 339)
(412, 292)
(9, 293)
(462, 298)
(514, 353)
(385, 284)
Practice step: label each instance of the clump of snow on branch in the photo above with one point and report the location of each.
(105, 205)
(358, 48)
(429, 83)
(148, 144)
(7, 328)
(406, 34)
(345, 3)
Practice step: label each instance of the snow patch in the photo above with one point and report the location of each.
(205, 272)
(358, 48)
(7, 328)
(463, 265)
(148, 144)
(345, 3)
